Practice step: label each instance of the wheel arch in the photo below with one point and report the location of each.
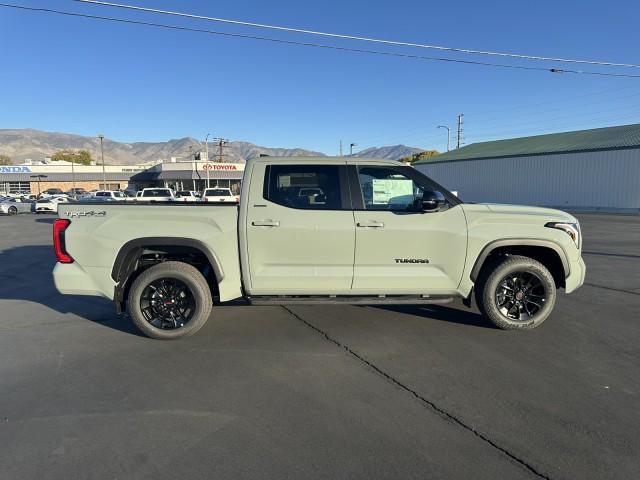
(547, 252)
(127, 260)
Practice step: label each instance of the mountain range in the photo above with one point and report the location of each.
(22, 144)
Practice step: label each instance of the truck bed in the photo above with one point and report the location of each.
(99, 230)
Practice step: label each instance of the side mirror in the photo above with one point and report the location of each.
(432, 201)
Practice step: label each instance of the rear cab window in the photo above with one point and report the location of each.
(158, 192)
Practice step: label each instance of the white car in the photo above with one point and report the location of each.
(188, 196)
(50, 205)
(14, 205)
(157, 195)
(219, 195)
(110, 195)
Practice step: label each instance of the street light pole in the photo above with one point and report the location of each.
(104, 175)
(73, 174)
(351, 149)
(206, 154)
(448, 136)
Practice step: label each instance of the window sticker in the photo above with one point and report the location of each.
(385, 191)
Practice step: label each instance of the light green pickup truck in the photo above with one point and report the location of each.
(317, 231)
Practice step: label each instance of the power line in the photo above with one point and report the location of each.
(359, 38)
(317, 45)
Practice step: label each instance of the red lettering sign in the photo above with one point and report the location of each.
(209, 166)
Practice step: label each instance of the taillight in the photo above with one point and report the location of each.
(59, 226)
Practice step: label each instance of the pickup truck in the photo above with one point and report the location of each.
(316, 231)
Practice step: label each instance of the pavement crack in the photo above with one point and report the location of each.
(426, 402)
(595, 285)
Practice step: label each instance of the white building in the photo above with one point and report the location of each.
(596, 169)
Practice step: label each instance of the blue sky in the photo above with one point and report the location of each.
(137, 83)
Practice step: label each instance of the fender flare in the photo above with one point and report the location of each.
(123, 264)
(520, 242)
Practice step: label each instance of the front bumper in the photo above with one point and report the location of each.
(576, 276)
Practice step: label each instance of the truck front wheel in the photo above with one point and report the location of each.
(516, 293)
(169, 300)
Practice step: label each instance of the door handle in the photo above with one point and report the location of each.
(370, 224)
(266, 223)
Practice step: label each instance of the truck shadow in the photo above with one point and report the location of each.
(462, 315)
(25, 274)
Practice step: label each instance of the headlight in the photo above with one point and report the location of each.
(571, 229)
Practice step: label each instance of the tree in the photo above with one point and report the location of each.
(5, 160)
(420, 156)
(81, 156)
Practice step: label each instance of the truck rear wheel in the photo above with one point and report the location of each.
(517, 293)
(169, 300)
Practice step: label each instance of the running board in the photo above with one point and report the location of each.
(350, 299)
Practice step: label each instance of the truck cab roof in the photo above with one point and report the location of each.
(326, 160)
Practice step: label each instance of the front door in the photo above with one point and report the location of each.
(399, 248)
(300, 230)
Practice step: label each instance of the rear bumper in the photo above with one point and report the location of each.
(576, 278)
(72, 279)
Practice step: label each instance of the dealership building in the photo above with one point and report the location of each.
(596, 169)
(190, 175)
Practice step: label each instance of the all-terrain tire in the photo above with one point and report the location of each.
(194, 281)
(493, 276)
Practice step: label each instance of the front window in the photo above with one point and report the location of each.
(385, 188)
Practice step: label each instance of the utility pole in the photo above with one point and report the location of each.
(222, 142)
(459, 142)
(351, 149)
(73, 174)
(340, 147)
(448, 136)
(206, 155)
(104, 175)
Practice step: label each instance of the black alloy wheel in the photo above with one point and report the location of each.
(520, 296)
(169, 300)
(167, 303)
(516, 292)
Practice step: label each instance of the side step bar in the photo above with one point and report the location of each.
(350, 299)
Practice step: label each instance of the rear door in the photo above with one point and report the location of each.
(300, 230)
(399, 248)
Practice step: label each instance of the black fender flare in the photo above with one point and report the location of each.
(131, 250)
(520, 242)
(124, 263)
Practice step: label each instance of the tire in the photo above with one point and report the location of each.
(13, 211)
(143, 301)
(516, 293)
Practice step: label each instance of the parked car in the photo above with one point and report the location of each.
(116, 195)
(50, 205)
(359, 245)
(51, 192)
(76, 192)
(14, 206)
(157, 195)
(219, 195)
(188, 196)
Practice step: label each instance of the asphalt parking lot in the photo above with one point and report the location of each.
(321, 392)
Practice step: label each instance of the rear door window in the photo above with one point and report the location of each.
(312, 187)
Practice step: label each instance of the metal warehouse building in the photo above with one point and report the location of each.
(586, 169)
